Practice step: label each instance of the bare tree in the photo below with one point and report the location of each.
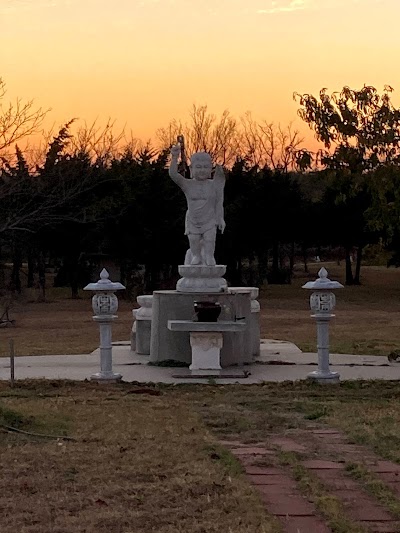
(205, 132)
(226, 139)
(18, 119)
(101, 143)
(267, 144)
(51, 194)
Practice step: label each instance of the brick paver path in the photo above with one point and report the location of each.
(324, 454)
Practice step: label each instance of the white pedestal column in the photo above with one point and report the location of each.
(106, 373)
(206, 348)
(323, 374)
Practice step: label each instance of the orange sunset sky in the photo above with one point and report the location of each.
(145, 62)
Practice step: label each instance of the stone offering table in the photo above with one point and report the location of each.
(206, 341)
(167, 345)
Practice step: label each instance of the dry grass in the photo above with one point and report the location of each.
(367, 317)
(144, 463)
(59, 326)
(375, 487)
(367, 320)
(141, 463)
(369, 412)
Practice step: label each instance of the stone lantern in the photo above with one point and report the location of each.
(322, 303)
(105, 305)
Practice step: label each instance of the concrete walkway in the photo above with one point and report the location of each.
(278, 361)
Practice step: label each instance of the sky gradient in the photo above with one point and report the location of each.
(145, 62)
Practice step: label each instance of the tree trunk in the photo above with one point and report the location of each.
(275, 256)
(31, 268)
(42, 277)
(16, 269)
(127, 279)
(262, 266)
(358, 266)
(251, 278)
(74, 276)
(2, 272)
(155, 276)
(291, 258)
(304, 254)
(122, 270)
(349, 272)
(74, 288)
(147, 278)
(239, 271)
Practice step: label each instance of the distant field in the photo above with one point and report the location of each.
(367, 317)
(367, 321)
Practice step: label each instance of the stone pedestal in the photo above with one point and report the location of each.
(324, 374)
(255, 328)
(206, 348)
(133, 331)
(143, 317)
(206, 341)
(172, 345)
(201, 278)
(106, 374)
(254, 324)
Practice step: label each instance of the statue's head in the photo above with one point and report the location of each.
(200, 166)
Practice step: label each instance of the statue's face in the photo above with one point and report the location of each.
(201, 168)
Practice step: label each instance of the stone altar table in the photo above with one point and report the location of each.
(206, 341)
(166, 345)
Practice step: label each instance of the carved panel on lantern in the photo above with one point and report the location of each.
(324, 302)
(105, 304)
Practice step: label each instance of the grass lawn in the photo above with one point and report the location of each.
(154, 461)
(140, 464)
(367, 317)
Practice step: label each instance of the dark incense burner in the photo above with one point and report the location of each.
(207, 311)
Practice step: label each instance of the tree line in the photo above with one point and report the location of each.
(93, 194)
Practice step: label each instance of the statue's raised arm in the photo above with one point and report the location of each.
(173, 168)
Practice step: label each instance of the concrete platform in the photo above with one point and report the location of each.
(278, 361)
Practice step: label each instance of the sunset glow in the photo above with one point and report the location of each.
(145, 62)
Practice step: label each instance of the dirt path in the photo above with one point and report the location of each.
(314, 480)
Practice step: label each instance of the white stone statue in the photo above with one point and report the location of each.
(205, 202)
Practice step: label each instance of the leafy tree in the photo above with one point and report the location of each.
(361, 133)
